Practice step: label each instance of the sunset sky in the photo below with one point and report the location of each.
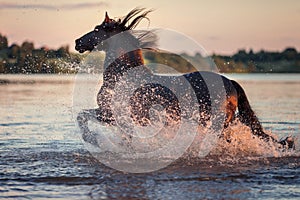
(220, 26)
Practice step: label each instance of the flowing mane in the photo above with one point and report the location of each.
(139, 14)
(147, 39)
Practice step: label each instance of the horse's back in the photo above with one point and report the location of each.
(205, 83)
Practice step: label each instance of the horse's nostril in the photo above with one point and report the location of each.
(77, 41)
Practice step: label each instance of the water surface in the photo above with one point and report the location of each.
(42, 155)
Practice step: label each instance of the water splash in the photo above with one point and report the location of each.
(239, 142)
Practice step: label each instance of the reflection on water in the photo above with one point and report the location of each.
(42, 155)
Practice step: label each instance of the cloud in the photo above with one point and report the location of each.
(74, 6)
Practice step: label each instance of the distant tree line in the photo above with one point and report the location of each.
(27, 59)
(287, 61)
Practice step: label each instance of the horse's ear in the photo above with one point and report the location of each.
(106, 20)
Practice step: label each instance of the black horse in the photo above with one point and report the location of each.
(119, 60)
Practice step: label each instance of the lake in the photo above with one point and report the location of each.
(42, 155)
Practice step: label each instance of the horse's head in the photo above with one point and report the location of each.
(108, 28)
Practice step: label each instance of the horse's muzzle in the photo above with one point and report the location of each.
(79, 47)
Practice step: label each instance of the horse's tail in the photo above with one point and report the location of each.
(247, 116)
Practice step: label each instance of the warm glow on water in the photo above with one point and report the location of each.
(42, 155)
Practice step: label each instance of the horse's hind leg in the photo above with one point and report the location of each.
(231, 107)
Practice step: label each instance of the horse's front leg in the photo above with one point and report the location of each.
(82, 120)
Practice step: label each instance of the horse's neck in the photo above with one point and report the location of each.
(117, 63)
(114, 69)
(133, 57)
